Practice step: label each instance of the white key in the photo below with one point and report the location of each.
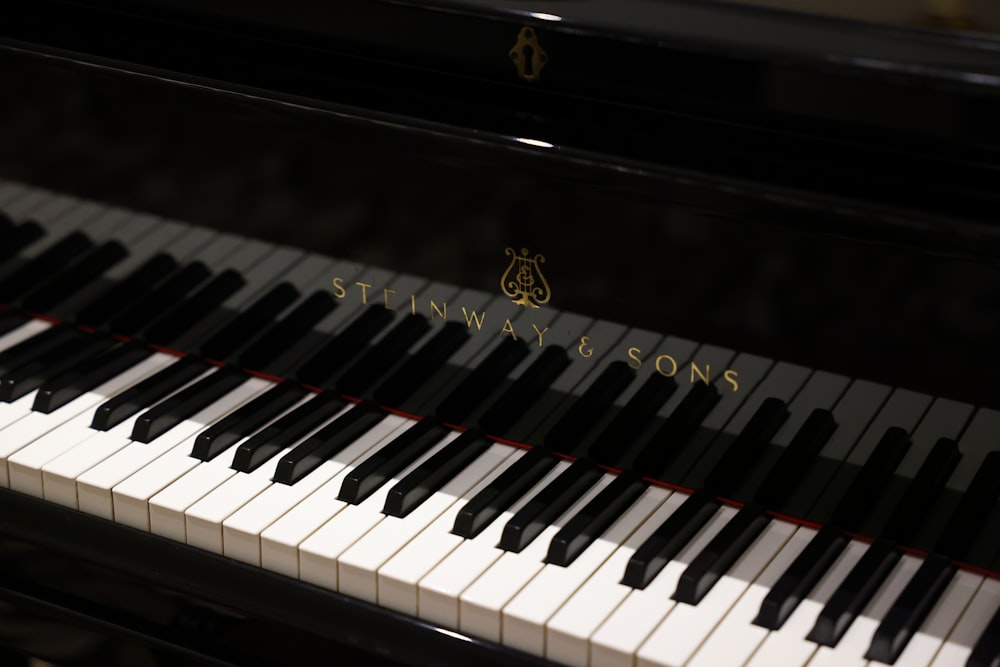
(480, 605)
(319, 552)
(686, 627)
(22, 333)
(440, 589)
(194, 480)
(60, 474)
(280, 541)
(93, 487)
(788, 645)
(43, 437)
(568, 631)
(131, 496)
(619, 637)
(358, 565)
(191, 482)
(958, 645)
(939, 622)
(399, 576)
(525, 616)
(736, 638)
(241, 532)
(851, 648)
(11, 412)
(204, 519)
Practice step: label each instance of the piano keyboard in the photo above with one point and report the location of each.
(555, 558)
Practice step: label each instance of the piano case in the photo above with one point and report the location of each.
(816, 189)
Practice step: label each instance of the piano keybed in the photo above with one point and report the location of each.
(566, 560)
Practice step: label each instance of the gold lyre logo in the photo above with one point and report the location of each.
(528, 56)
(523, 280)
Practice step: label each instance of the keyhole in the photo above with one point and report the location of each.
(529, 63)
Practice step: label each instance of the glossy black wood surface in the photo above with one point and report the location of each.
(816, 191)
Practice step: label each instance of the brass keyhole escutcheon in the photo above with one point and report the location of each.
(528, 56)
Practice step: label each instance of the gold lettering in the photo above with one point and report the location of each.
(730, 377)
(585, 350)
(540, 333)
(441, 312)
(386, 292)
(697, 371)
(673, 363)
(478, 318)
(413, 304)
(508, 328)
(633, 354)
(338, 288)
(364, 291)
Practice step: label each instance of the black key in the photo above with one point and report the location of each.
(290, 330)
(435, 472)
(21, 236)
(36, 347)
(970, 514)
(120, 296)
(10, 321)
(923, 590)
(669, 539)
(581, 419)
(780, 482)
(250, 322)
(854, 593)
(910, 609)
(415, 371)
(922, 492)
(800, 577)
(137, 316)
(76, 277)
(502, 492)
(6, 226)
(857, 589)
(590, 522)
(821, 551)
(986, 652)
(382, 356)
(327, 442)
(193, 309)
(193, 399)
(345, 346)
(389, 460)
(32, 375)
(482, 381)
(739, 533)
(633, 419)
(144, 394)
(525, 390)
(747, 446)
(76, 382)
(547, 505)
(677, 430)
(872, 478)
(282, 433)
(246, 420)
(720, 554)
(48, 262)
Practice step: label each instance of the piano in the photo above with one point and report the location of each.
(449, 332)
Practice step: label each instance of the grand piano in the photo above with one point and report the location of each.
(517, 332)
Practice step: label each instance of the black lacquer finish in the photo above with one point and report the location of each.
(316, 615)
(818, 191)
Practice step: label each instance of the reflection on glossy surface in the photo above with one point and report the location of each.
(972, 15)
